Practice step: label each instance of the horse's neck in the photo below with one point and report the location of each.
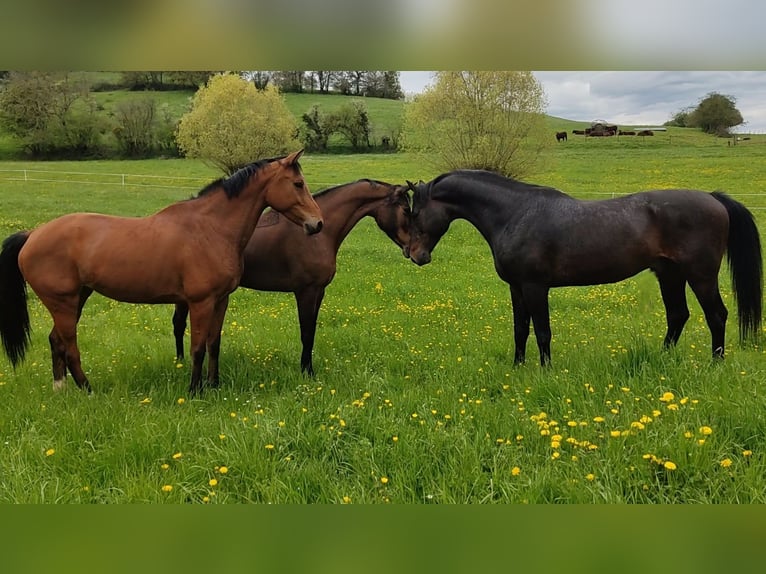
(233, 218)
(343, 207)
(487, 209)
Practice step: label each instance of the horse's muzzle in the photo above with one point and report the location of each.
(421, 258)
(313, 226)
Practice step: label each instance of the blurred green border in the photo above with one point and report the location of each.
(370, 540)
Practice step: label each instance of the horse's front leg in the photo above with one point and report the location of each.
(214, 340)
(536, 301)
(309, 301)
(201, 315)
(179, 327)
(521, 320)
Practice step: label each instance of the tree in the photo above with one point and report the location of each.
(231, 124)
(715, 114)
(49, 113)
(135, 129)
(484, 120)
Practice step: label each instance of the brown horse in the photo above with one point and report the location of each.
(280, 258)
(189, 252)
(561, 136)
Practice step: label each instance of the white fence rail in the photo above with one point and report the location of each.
(126, 180)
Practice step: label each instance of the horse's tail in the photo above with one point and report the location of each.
(745, 265)
(14, 316)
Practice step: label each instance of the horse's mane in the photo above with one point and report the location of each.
(490, 177)
(372, 182)
(237, 181)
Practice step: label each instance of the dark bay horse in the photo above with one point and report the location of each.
(542, 238)
(279, 257)
(561, 136)
(189, 252)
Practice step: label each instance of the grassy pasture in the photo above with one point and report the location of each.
(415, 400)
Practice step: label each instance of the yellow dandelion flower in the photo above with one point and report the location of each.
(706, 430)
(590, 477)
(346, 499)
(164, 466)
(177, 455)
(213, 482)
(384, 480)
(669, 465)
(395, 439)
(233, 415)
(50, 452)
(747, 453)
(614, 433)
(269, 447)
(688, 434)
(726, 463)
(223, 469)
(555, 444)
(515, 471)
(145, 401)
(555, 455)
(667, 397)
(205, 499)
(672, 407)
(571, 423)
(701, 441)
(598, 419)
(222, 436)
(181, 400)
(167, 487)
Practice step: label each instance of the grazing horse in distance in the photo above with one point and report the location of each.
(542, 238)
(561, 136)
(278, 257)
(189, 252)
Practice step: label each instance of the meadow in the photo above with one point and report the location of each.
(415, 399)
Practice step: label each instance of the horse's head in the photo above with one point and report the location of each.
(429, 223)
(288, 193)
(393, 217)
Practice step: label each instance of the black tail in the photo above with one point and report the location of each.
(14, 316)
(745, 265)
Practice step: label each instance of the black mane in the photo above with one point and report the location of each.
(370, 181)
(237, 181)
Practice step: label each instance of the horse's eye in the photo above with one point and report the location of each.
(299, 184)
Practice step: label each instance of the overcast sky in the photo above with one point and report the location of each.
(638, 98)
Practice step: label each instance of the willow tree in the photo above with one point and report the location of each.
(231, 124)
(491, 120)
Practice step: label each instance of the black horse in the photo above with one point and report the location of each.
(561, 136)
(542, 238)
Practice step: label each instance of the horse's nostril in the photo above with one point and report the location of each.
(319, 225)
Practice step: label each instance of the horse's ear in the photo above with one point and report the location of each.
(410, 185)
(294, 157)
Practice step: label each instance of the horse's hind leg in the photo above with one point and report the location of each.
(66, 311)
(709, 296)
(58, 357)
(673, 289)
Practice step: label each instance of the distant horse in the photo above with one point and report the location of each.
(542, 238)
(279, 257)
(561, 136)
(189, 252)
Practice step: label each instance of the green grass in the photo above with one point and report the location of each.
(415, 399)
